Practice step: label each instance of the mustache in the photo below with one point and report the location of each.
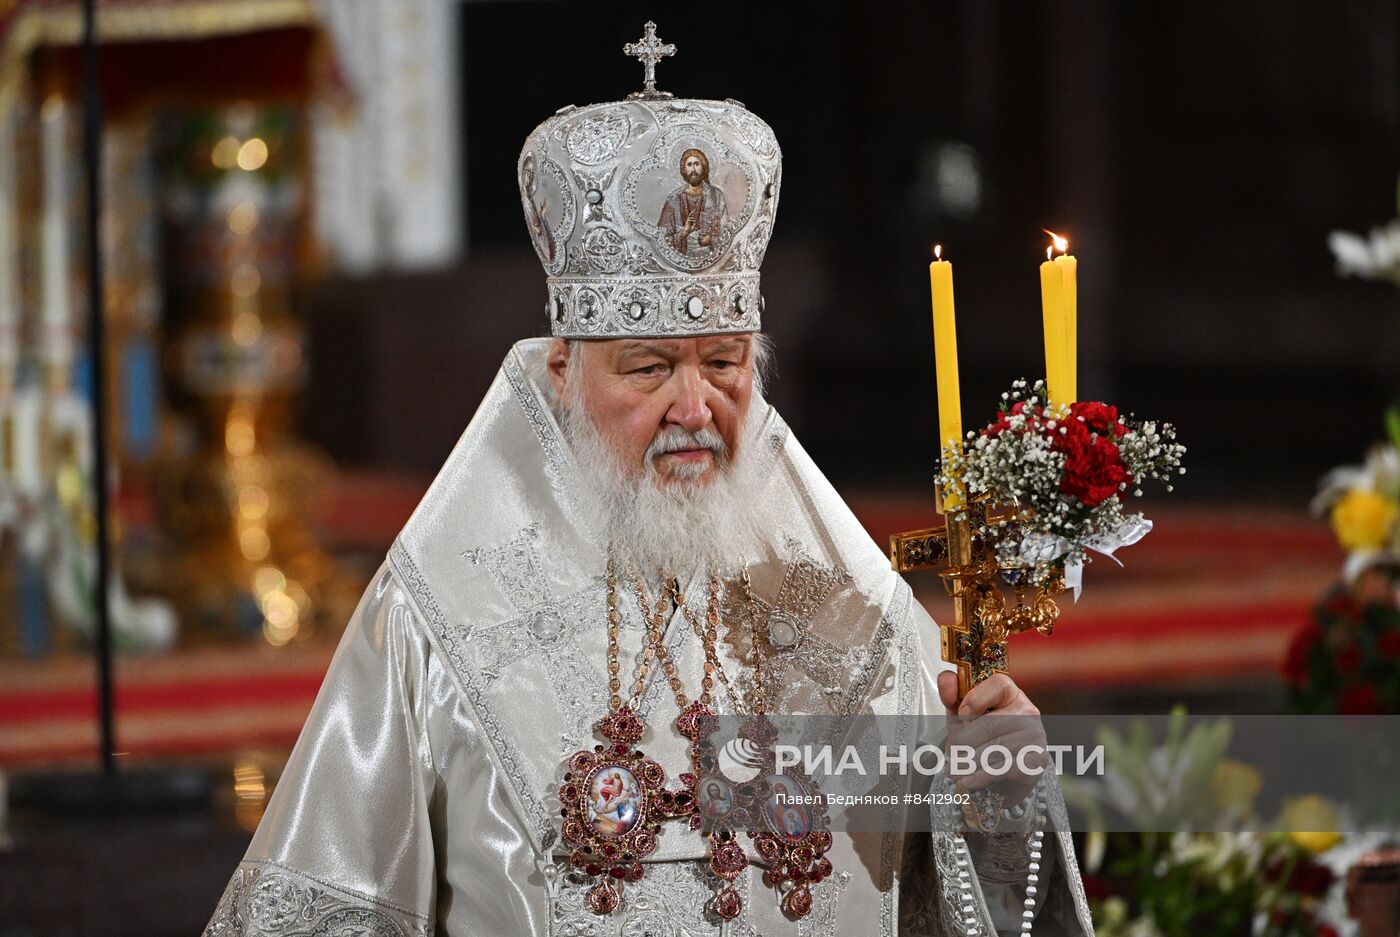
(676, 439)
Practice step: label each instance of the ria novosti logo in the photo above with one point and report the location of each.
(740, 760)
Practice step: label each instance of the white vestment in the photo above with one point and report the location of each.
(421, 796)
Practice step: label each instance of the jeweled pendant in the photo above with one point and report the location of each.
(604, 898)
(614, 800)
(798, 901)
(727, 903)
(794, 844)
(727, 862)
(727, 859)
(696, 721)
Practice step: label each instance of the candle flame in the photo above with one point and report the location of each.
(938, 252)
(1058, 242)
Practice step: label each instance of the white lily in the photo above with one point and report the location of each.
(1375, 257)
(1380, 473)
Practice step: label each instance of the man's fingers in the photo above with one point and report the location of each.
(1011, 759)
(993, 726)
(948, 690)
(1013, 737)
(997, 690)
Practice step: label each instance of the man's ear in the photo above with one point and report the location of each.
(558, 361)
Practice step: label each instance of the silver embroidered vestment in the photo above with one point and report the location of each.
(419, 799)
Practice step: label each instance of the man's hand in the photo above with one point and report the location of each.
(997, 696)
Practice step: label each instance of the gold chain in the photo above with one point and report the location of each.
(655, 648)
(653, 623)
(760, 703)
(614, 681)
(709, 635)
(655, 617)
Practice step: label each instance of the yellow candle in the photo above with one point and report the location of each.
(945, 347)
(1053, 316)
(1069, 269)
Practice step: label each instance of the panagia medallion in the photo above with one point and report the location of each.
(614, 801)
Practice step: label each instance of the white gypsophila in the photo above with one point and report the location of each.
(680, 529)
(1150, 451)
(1018, 466)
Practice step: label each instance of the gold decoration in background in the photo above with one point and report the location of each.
(235, 488)
(243, 497)
(1373, 892)
(250, 793)
(61, 24)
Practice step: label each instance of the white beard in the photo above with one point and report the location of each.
(678, 529)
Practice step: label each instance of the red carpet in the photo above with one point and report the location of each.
(1210, 596)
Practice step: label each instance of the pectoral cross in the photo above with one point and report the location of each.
(650, 50)
(975, 640)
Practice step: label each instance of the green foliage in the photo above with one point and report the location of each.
(1179, 884)
(1392, 426)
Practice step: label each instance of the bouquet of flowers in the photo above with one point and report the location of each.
(1066, 471)
(1347, 658)
(1223, 881)
(1219, 884)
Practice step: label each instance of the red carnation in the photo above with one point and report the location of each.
(1389, 645)
(1094, 468)
(1295, 662)
(1358, 699)
(1348, 659)
(1003, 422)
(1099, 417)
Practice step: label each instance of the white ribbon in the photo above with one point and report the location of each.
(1042, 547)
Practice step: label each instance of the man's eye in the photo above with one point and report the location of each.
(649, 369)
(723, 364)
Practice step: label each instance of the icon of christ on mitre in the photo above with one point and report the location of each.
(626, 541)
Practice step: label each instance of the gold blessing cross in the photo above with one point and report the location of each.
(975, 640)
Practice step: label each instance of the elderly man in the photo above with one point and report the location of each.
(626, 541)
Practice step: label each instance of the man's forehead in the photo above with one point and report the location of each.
(673, 347)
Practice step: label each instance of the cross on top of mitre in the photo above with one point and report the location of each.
(649, 50)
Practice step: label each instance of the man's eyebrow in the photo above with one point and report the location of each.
(636, 347)
(726, 346)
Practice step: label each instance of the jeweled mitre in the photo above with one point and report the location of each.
(651, 215)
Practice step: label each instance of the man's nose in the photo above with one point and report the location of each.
(690, 409)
